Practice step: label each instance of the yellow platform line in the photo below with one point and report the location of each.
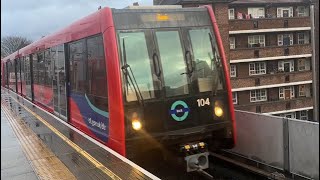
(85, 154)
(45, 164)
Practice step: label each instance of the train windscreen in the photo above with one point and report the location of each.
(167, 53)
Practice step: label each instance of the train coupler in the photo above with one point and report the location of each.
(196, 156)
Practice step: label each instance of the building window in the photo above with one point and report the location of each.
(256, 12)
(304, 115)
(286, 66)
(302, 11)
(258, 95)
(285, 39)
(302, 90)
(231, 13)
(286, 92)
(257, 68)
(256, 41)
(301, 64)
(234, 98)
(232, 41)
(303, 38)
(233, 71)
(285, 12)
(281, 93)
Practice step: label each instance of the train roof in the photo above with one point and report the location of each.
(89, 25)
(86, 26)
(11, 56)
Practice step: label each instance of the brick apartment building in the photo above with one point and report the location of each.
(268, 44)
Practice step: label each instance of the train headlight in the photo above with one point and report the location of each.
(218, 111)
(135, 121)
(136, 124)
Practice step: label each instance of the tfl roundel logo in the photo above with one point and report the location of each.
(179, 110)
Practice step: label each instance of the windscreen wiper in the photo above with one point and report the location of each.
(130, 78)
(189, 64)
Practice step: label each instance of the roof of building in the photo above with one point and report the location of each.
(269, 1)
(173, 2)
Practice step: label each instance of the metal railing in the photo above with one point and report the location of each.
(287, 144)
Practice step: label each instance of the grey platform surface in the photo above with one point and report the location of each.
(14, 163)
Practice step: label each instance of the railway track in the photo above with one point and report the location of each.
(221, 168)
(240, 170)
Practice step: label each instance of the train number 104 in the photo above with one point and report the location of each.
(203, 102)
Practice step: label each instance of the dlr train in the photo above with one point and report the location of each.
(134, 79)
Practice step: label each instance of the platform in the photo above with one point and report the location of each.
(14, 163)
(75, 155)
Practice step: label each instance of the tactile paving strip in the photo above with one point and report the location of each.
(99, 166)
(43, 161)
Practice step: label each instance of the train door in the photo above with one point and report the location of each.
(186, 56)
(206, 76)
(59, 82)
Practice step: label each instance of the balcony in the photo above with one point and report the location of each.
(270, 79)
(268, 51)
(268, 23)
(280, 105)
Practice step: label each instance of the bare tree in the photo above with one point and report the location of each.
(10, 44)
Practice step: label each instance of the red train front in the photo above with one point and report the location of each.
(135, 79)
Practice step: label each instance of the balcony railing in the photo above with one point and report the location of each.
(280, 105)
(270, 79)
(269, 51)
(268, 23)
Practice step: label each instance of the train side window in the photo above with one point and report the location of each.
(18, 74)
(78, 74)
(87, 70)
(41, 68)
(12, 75)
(97, 81)
(28, 77)
(22, 75)
(35, 69)
(48, 69)
(5, 74)
(97, 89)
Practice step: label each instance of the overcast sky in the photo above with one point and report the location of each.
(36, 18)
